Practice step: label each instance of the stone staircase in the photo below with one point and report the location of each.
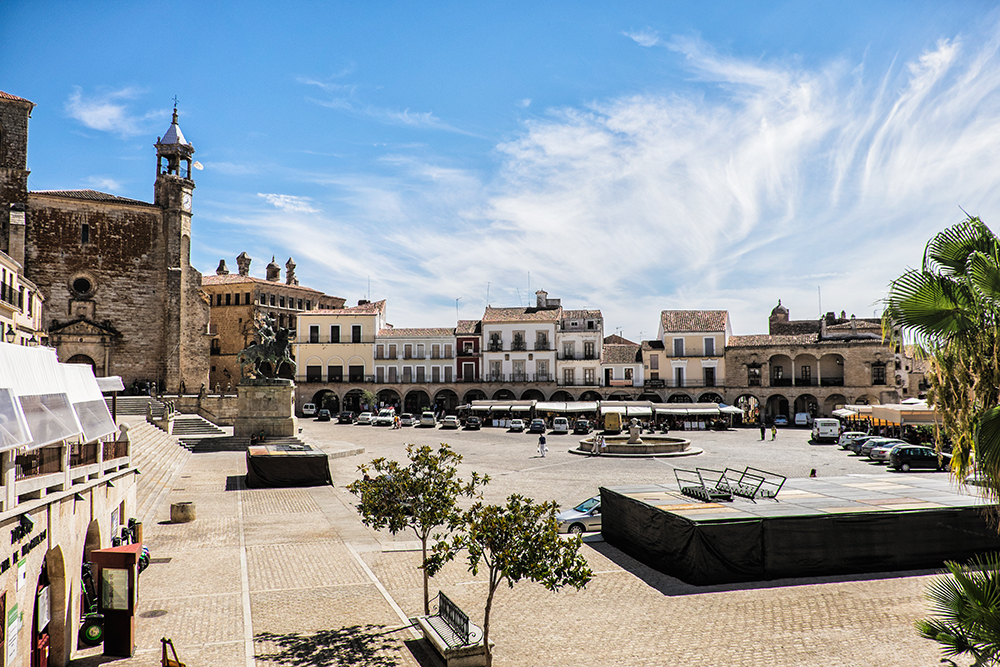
(136, 406)
(159, 458)
(234, 443)
(191, 429)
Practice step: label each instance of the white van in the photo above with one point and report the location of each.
(803, 419)
(308, 409)
(826, 430)
(560, 425)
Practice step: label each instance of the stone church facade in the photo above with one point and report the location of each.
(120, 290)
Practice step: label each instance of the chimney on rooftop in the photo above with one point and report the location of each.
(541, 298)
(223, 270)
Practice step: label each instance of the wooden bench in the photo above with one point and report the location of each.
(458, 641)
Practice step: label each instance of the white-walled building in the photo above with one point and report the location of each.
(337, 345)
(410, 355)
(519, 343)
(579, 343)
(621, 363)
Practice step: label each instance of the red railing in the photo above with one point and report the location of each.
(81, 455)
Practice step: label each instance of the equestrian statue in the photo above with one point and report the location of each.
(264, 358)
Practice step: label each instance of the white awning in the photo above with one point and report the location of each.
(110, 383)
(638, 411)
(843, 412)
(620, 409)
(550, 406)
(582, 406)
(520, 408)
(500, 408)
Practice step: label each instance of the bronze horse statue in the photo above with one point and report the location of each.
(273, 349)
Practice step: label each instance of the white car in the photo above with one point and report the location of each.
(560, 425)
(308, 409)
(427, 419)
(451, 421)
(385, 418)
(882, 451)
(365, 418)
(517, 425)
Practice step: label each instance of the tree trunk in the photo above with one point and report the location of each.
(486, 621)
(423, 566)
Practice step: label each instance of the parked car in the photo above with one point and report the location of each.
(803, 419)
(781, 420)
(856, 444)
(323, 415)
(406, 419)
(308, 409)
(473, 423)
(872, 443)
(848, 436)
(517, 425)
(585, 517)
(346, 417)
(386, 417)
(560, 425)
(880, 452)
(451, 421)
(918, 456)
(581, 426)
(427, 419)
(365, 418)
(537, 426)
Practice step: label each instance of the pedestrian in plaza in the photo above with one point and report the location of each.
(597, 445)
(774, 431)
(762, 431)
(541, 446)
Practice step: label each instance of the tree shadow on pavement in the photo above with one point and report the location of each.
(362, 645)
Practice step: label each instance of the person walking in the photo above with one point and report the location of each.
(762, 431)
(774, 431)
(541, 445)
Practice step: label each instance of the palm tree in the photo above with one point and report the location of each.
(950, 307)
(966, 608)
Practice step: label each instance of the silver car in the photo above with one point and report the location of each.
(584, 518)
(880, 452)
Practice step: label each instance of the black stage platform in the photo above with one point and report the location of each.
(816, 527)
(286, 465)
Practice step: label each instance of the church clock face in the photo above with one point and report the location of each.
(186, 201)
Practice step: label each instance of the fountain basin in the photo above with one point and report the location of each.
(651, 445)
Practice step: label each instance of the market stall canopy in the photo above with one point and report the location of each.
(730, 410)
(43, 402)
(684, 409)
(843, 413)
(110, 383)
(904, 415)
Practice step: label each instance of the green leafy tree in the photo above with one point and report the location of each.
(421, 496)
(950, 307)
(519, 540)
(966, 608)
(369, 398)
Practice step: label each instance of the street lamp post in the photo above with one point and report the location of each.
(11, 334)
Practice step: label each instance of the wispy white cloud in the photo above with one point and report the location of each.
(526, 102)
(760, 180)
(289, 203)
(110, 111)
(646, 37)
(105, 183)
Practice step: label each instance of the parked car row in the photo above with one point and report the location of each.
(899, 454)
(427, 419)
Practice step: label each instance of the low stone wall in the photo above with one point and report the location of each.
(218, 409)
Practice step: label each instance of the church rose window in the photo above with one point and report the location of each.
(82, 286)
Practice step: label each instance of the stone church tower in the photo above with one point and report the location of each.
(120, 290)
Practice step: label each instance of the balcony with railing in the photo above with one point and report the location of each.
(575, 382)
(83, 454)
(38, 462)
(518, 377)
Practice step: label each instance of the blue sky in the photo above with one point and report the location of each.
(631, 157)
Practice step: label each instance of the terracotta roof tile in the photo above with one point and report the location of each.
(615, 339)
(766, 340)
(14, 98)
(652, 345)
(372, 308)
(92, 195)
(582, 315)
(677, 321)
(469, 328)
(237, 279)
(621, 354)
(433, 332)
(522, 315)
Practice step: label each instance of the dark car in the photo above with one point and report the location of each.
(856, 445)
(581, 426)
(473, 423)
(345, 417)
(323, 415)
(537, 426)
(916, 456)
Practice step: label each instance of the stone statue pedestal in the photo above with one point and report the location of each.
(633, 433)
(266, 405)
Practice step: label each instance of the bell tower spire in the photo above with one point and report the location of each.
(174, 181)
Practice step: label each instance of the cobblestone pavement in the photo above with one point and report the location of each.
(291, 576)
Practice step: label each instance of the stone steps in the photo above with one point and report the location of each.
(136, 405)
(159, 458)
(234, 443)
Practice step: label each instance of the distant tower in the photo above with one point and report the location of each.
(273, 271)
(779, 315)
(173, 195)
(14, 114)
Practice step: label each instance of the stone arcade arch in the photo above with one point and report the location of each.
(415, 401)
(447, 400)
(833, 402)
(503, 395)
(327, 399)
(532, 395)
(590, 396)
(750, 405)
(474, 395)
(710, 397)
(650, 396)
(807, 403)
(679, 398)
(776, 405)
(389, 398)
(61, 638)
(562, 396)
(352, 400)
